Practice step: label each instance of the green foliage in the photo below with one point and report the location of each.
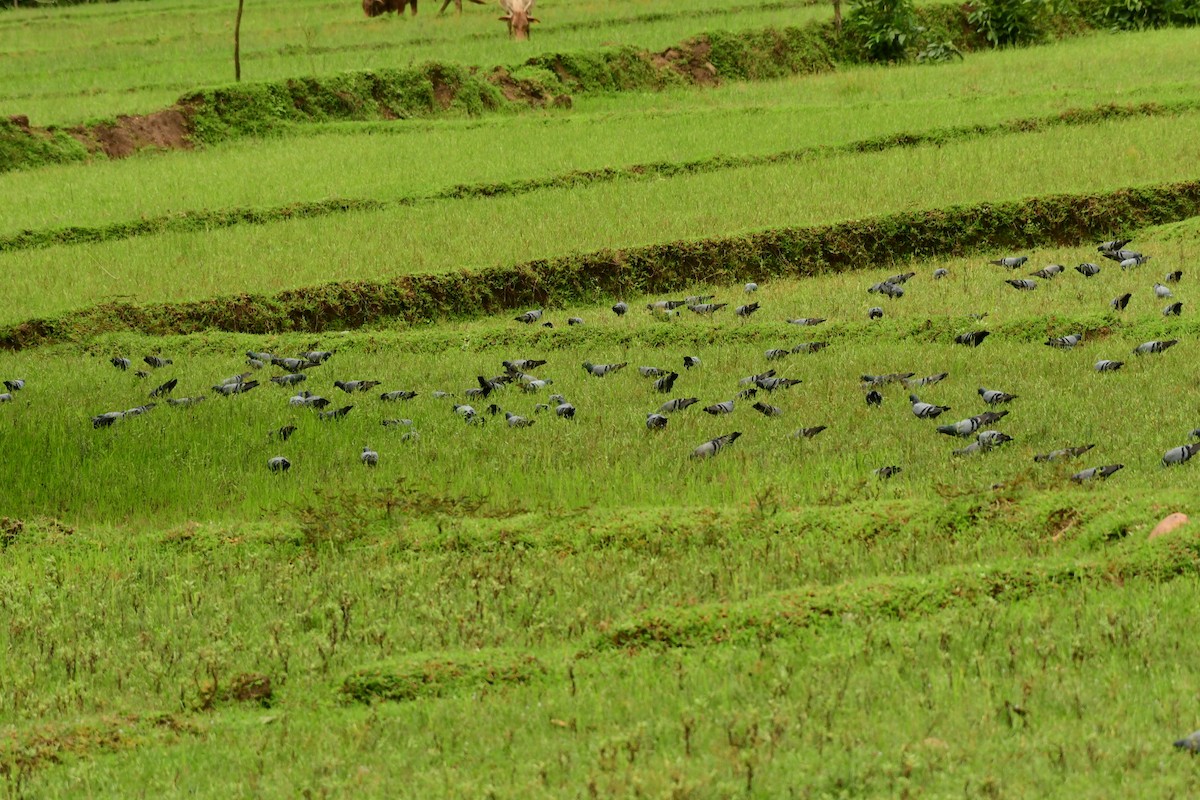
(22, 149)
(1141, 14)
(421, 677)
(886, 29)
(1006, 23)
(938, 52)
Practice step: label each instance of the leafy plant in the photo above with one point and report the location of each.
(939, 53)
(1141, 14)
(1009, 22)
(886, 28)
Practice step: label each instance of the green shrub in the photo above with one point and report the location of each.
(939, 53)
(1141, 14)
(1009, 22)
(886, 28)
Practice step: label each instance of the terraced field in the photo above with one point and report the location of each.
(552, 594)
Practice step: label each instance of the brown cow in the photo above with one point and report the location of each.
(373, 8)
(517, 16)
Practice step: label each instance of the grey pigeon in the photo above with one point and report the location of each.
(768, 410)
(776, 354)
(874, 312)
(165, 389)
(16, 384)
(1119, 303)
(810, 347)
(232, 379)
(1012, 262)
(756, 378)
(719, 408)
(746, 310)
(664, 384)
(157, 361)
(886, 472)
(714, 446)
(535, 385)
(284, 433)
(993, 397)
(1195, 433)
(399, 394)
(1107, 365)
(1065, 342)
(1173, 277)
(1023, 284)
(771, 384)
(266, 357)
(529, 317)
(120, 362)
(886, 289)
(291, 379)
(185, 401)
(808, 433)
(574, 321)
(350, 387)
(137, 411)
(1134, 261)
(1178, 455)
(928, 380)
(600, 370)
(651, 372)
(972, 339)
(940, 273)
(228, 389)
(318, 356)
(990, 439)
(678, 404)
(515, 421)
(1114, 244)
(564, 411)
(884, 380)
(698, 299)
(1096, 472)
(522, 364)
(925, 410)
(970, 450)
(1162, 292)
(395, 423)
(691, 361)
(806, 321)
(465, 411)
(254, 363)
(107, 419)
(369, 457)
(335, 414)
(620, 308)
(1048, 272)
(278, 464)
(1191, 743)
(656, 421)
(291, 364)
(899, 279)
(1066, 452)
(746, 394)
(439, 394)
(965, 427)
(874, 398)
(706, 308)
(1173, 310)
(1088, 270)
(750, 287)
(6, 397)
(664, 305)
(1146, 348)
(1120, 254)
(540, 407)
(142, 374)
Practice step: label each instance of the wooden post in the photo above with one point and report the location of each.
(837, 17)
(237, 44)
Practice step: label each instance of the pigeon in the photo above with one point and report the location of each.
(970, 450)
(1119, 303)
(529, 317)
(1066, 452)
(808, 433)
(678, 404)
(756, 378)
(993, 397)
(776, 354)
(746, 310)
(874, 312)
(600, 370)
(1120, 254)
(1115, 244)
(1154, 347)
(291, 364)
(925, 410)
(335, 414)
(1012, 262)
(887, 289)
(972, 339)
(137, 411)
(990, 439)
(874, 398)
(698, 299)
(691, 361)
(771, 384)
(438, 394)
(107, 419)
(883, 473)
(1178, 455)
(664, 305)
(120, 362)
(233, 379)
(350, 387)
(1065, 342)
(515, 421)
(902, 277)
(535, 385)
(228, 389)
(656, 421)
(573, 321)
(284, 433)
(1134, 261)
(157, 361)
(264, 357)
(1048, 272)
(806, 321)
(291, 379)
(1023, 284)
(1088, 270)
(651, 372)
(522, 364)
(1195, 433)
(750, 287)
(928, 380)
(746, 394)
(665, 383)
(1173, 310)
(620, 308)
(719, 408)
(185, 401)
(714, 446)
(17, 384)
(394, 423)
(165, 389)
(254, 363)
(1096, 472)
(768, 410)
(706, 308)
(884, 380)
(494, 409)
(564, 411)
(1191, 742)
(317, 356)
(399, 394)
(369, 457)
(1107, 365)
(1173, 277)
(278, 464)
(965, 427)
(940, 273)
(810, 347)
(142, 374)
(1162, 292)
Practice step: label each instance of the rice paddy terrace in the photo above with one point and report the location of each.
(695, 400)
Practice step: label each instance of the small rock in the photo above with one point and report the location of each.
(1168, 524)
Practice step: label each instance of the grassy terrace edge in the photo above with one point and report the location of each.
(217, 114)
(1065, 219)
(211, 219)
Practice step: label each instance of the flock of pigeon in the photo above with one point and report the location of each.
(755, 389)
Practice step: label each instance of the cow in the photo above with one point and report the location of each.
(458, 5)
(516, 14)
(373, 8)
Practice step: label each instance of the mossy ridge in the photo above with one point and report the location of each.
(424, 676)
